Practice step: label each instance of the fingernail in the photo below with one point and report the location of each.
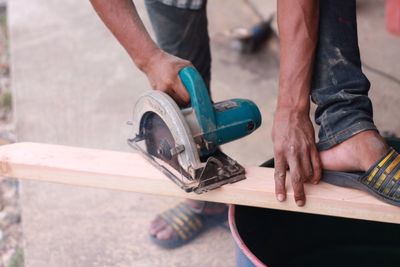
(315, 182)
(300, 203)
(281, 197)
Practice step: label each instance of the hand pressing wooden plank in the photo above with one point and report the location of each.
(130, 172)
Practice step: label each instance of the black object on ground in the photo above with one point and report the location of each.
(281, 238)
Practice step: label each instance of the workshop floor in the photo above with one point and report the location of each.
(74, 85)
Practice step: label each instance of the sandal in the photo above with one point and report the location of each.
(188, 223)
(382, 180)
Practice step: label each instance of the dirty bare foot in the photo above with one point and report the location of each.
(161, 230)
(358, 153)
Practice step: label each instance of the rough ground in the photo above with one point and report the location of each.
(10, 216)
(75, 85)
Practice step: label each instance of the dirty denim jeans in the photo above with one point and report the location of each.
(339, 87)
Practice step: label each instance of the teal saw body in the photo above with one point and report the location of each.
(221, 122)
(188, 139)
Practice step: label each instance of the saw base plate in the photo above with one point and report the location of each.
(219, 169)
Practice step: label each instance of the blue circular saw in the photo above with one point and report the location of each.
(183, 143)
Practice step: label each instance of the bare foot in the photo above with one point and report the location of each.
(358, 153)
(161, 230)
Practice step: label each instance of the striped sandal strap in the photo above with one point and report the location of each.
(183, 220)
(384, 177)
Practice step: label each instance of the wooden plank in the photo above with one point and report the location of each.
(130, 172)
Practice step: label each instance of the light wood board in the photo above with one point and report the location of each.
(131, 172)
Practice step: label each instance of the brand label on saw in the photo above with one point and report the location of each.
(225, 105)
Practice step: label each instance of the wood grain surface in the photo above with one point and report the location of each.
(113, 170)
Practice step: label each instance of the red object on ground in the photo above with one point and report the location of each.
(392, 16)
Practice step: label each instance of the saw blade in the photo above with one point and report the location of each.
(160, 142)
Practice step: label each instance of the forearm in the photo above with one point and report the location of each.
(298, 31)
(121, 17)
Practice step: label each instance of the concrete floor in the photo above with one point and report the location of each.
(74, 85)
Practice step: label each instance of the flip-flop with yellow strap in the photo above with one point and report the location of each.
(187, 224)
(382, 180)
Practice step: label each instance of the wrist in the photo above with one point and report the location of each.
(301, 107)
(147, 58)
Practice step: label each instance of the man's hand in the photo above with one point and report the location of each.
(294, 148)
(162, 71)
(293, 133)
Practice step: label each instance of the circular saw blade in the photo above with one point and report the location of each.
(160, 142)
(162, 114)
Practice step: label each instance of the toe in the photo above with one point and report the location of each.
(157, 225)
(166, 233)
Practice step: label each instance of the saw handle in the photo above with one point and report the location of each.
(200, 100)
(220, 122)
